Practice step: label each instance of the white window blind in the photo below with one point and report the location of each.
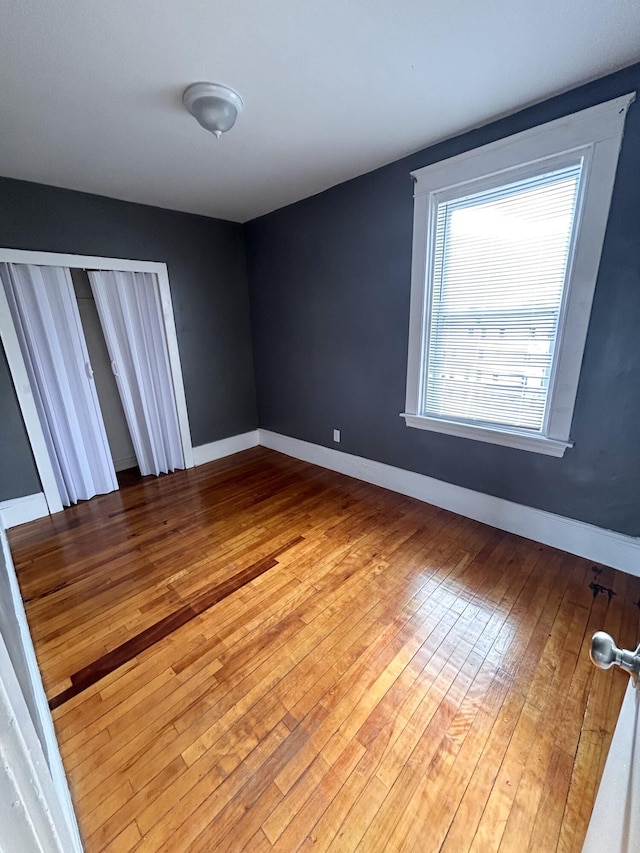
(499, 269)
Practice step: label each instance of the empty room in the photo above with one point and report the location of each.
(319, 462)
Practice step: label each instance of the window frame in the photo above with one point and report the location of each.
(594, 134)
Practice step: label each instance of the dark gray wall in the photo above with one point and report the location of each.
(330, 282)
(18, 475)
(206, 263)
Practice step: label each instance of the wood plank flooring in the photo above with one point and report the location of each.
(259, 654)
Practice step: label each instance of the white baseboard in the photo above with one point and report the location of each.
(567, 534)
(125, 463)
(20, 510)
(225, 447)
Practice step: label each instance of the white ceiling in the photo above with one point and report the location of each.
(90, 91)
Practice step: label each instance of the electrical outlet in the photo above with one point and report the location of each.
(336, 435)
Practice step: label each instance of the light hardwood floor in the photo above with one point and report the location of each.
(260, 654)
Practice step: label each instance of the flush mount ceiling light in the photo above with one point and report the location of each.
(213, 106)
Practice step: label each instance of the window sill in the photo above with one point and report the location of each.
(519, 440)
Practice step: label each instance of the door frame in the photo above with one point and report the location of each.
(19, 371)
(31, 772)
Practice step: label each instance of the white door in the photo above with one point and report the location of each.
(130, 313)
(45, 314)
(615, 820)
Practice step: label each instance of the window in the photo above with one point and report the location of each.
(506, 247)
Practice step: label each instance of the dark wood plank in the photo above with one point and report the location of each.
(125, 652)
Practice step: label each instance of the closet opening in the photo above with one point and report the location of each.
(115, 422)
(93, 354)
(128, 477)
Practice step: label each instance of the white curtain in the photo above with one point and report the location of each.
(130, 313)
(45, 313)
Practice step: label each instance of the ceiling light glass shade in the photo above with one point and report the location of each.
(213, 106)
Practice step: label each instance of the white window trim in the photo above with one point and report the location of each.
(19, 372)
(596, 133)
